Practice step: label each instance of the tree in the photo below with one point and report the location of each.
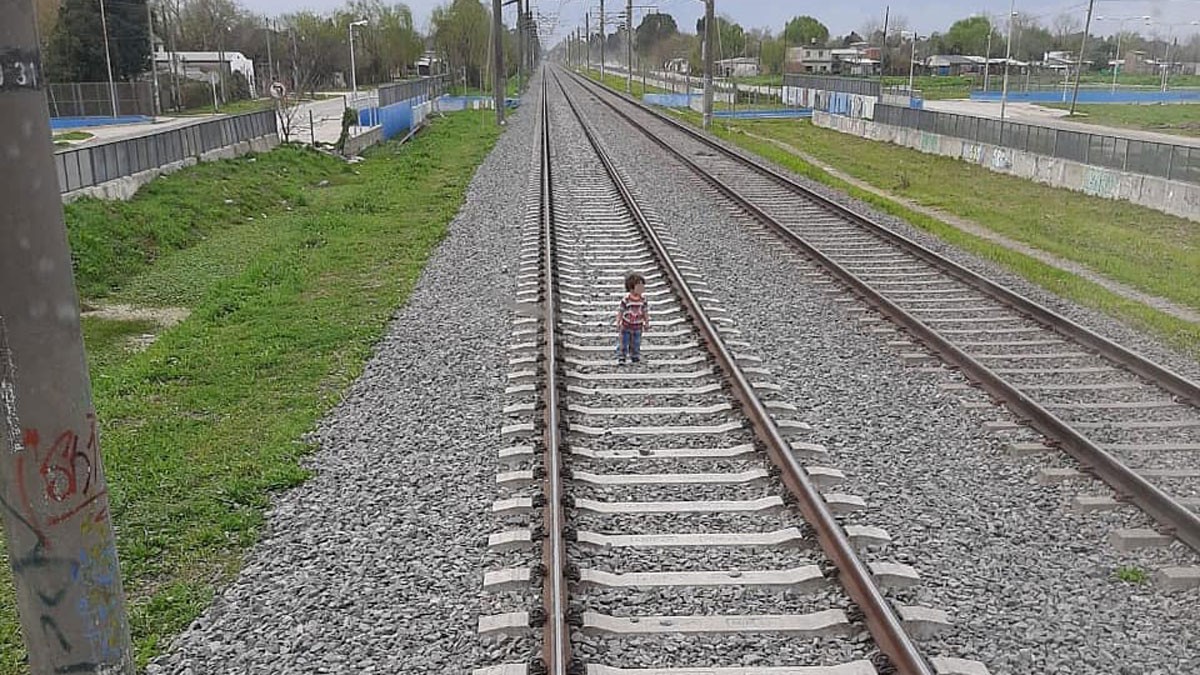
(731, 37)
(969, 36)
(805, 30)
(75, 50)
(390, 43)
(772, 56)
(654, 29)
(460, 34)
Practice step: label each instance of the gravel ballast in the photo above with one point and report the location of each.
(1031, 585)
(375, 564)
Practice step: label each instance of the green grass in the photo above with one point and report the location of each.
(113, 241)
(617, 82)
(1182, 119)
(1146, 249)
(203, 426)
(229, 107)
(1132, 575)
(73, 136)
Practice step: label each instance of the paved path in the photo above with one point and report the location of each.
(971, 227)
(1030, 113)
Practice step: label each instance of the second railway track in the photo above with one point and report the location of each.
(1125, 419)
(683, 524)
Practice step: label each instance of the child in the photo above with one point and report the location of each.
(633, 317)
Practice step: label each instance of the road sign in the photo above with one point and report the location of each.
(278, 91)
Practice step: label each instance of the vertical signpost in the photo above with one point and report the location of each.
(53, 497)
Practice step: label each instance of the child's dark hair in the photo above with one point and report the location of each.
(633, 279)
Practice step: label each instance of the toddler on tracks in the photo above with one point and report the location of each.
(633, 317)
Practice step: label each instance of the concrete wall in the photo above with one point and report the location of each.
(356, 144)
(1173, 197)
(125, 187)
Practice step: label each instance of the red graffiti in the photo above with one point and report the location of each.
(67, 473)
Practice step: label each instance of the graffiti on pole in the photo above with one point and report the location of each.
(57, 489)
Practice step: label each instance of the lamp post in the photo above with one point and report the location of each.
(112, 87)
(912, 59)
(1120, 29)
(1012, 12)
(353, 70)
(1166, 67)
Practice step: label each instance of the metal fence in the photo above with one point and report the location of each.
(93, 99)
(1164, 160)
(95, 164)
(844, 85)
(428, 87)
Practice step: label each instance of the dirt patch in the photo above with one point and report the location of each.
(165, 317)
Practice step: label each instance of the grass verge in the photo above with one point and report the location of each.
(201, 428)
(1151, 251)
(1181, 119)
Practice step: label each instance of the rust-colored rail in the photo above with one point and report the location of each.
(1172, 516)
(556, 635)
(853, 574)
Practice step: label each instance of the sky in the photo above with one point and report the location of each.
(841, 17)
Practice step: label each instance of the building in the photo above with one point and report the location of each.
(677, 66)
(809, 60)
(855, 61)
(204, 66)
(953, 65)
(743, 66)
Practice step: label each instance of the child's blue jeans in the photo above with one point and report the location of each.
(631, 343)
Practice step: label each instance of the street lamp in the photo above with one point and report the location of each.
(1166, 68)
(912, 59)
(353, 71)
(1120, 29)
(1012, 13)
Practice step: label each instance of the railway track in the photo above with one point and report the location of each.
(1126, 420)
(683, 524)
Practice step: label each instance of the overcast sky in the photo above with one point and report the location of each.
(841, 17)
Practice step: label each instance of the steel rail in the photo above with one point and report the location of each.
(882, 622)
(556, 636)
(1173, 517)
(1133, 361)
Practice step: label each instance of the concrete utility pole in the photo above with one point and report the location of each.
(498, 61)
(709, 31)
(587, 29)
(112, 87)
(629, 47)
(53, 496)
(270, 59)
(153, 63)
(1087, 26)
(603, 28)
(1012, 13)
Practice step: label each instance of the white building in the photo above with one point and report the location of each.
(198, 65)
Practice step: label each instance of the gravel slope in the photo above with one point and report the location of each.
(374, 565)
(1031, 585)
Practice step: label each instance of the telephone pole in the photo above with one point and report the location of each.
(587, 28)
(1082, 46)
(629, 47)
(498, 61)
(709, 31)
(602, 40)
(53, 496)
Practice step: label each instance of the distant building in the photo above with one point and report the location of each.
(204, 66)
(953, 65)
(855, 61)
(743, 66)
(429, 64)
(809, 60)
(677, 66)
